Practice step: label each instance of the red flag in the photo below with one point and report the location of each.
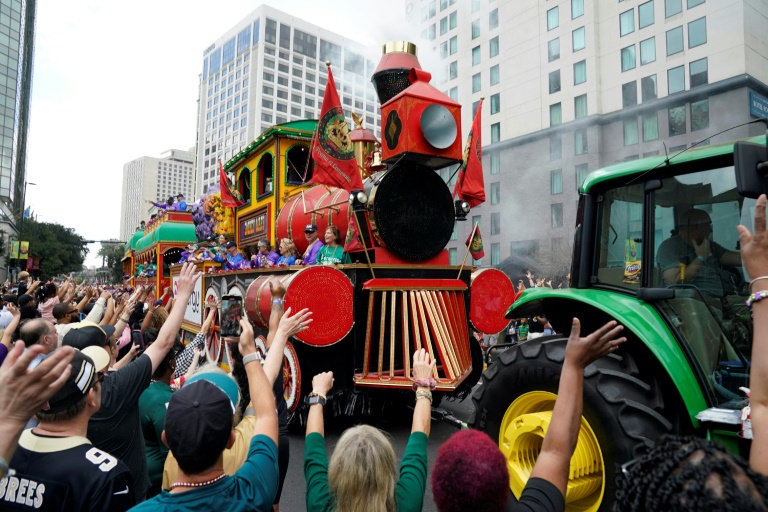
(352, 243)
(332, 151)
(475, 243)
(470, 186)
(229, 196)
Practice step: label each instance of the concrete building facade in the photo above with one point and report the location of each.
(269, 69)
(574, 85)
(155, 179)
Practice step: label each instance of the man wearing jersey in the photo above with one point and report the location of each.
(55, 467)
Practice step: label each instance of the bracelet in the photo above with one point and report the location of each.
(424, 394)
(756, 297)
(255, 356)
(277, 301)
(756, 280)
(424, 383)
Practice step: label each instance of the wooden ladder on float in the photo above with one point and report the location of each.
(405, 315)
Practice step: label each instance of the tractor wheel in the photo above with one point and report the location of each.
(624, 413)
(476, 352)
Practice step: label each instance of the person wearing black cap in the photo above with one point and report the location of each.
(233, 259)
(116, 428)
(55, 465)
(181, 204)
(313, 247)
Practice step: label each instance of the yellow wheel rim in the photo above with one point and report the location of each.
(522, 432)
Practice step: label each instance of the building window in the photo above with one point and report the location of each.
(495, 132)
(553, 18)
(475, 5)
(645, 14)
(475, 55)
(674, 40)
(650, 126)
(495, 75)
(697, 32)
(495, 254)
(556, 181)
(495, 223)
(527, 248)
(454, 93)
(580, 72)
(699, 115)
(647, 51)
(553, 49)
(493, 19)
(444, 25)
(557, 215)
(495, 103)
(452, 20)
(555, 148)
(493, 47)
(475, 29)
(581, 173)
(443, 49)
(699, 72)
(648, 88)
(580, 141)
(452, 256)
(555, 114)
(672, 7)
(495, 163)
(554, 81)
(495, 193)
(578, 39)
(630, 132)
(577, 8)
(629, 94)
(627, 22)
(694, 3)
(580, 106)
(676, 79)
(677, 120)
(628, 58)
(477, 219)
(476, 82)
(453, 70)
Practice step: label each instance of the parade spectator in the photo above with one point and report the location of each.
(458, 470)
(40, 331)
(67, 315)
(361, 474)
(198, 428)
(28, 307)
(52, 297)
(6, 342)
(522, 330)
(266, 257)
(181, 204)
(5, 314)
(56, 466)
(288, 252)
(313, 247)
(185, 359)
(332, 253)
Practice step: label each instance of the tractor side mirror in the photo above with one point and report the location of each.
(751, 163)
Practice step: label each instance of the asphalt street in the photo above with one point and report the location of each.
(398, 425)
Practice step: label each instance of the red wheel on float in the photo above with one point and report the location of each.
(492, 294)
(291, 378)
(212, 339)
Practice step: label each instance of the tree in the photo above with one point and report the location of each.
(111, 259)
(60, 249)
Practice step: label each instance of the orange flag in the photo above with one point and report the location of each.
(229, 196)
(470, 185)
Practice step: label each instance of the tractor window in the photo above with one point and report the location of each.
(620, 237)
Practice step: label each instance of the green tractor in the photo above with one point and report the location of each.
(689, 336)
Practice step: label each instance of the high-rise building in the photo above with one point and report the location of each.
(574, 85)
(269, 69)
(155, 179)
(17, 34)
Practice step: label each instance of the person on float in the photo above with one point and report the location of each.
(288, 252)
(313, 247)
(266, 257)
(233, 259)
(332, 253)
(181, 204)
(169, 205)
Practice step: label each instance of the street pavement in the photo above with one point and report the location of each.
(398, 425)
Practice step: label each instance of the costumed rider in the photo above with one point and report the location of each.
(314, 246)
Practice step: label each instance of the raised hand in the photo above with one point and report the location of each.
(322, 383)
(582, 351)
(423, 368)
(293, 324)
(754, 246)
(246, 344)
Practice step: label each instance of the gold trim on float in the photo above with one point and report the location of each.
(381, 331)
(368, 334)
(399, 47)
(415, 322)
(392, 336)
(406, 337)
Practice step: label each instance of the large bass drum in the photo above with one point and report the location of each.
(320, 205)
(411, 212)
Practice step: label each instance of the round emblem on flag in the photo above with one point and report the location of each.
(334, 135)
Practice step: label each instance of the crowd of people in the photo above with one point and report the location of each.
(103, 408)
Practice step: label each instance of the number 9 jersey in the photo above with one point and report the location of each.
(65, 473)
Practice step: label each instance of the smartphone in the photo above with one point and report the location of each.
(229, 316)
(138, 339)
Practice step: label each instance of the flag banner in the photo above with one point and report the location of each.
(15, 250)
(332, 149)
(470, 185)
(475, 243)
(229, 195)
(27, 212)
(352, 243)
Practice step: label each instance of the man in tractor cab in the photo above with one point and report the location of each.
(690, 257)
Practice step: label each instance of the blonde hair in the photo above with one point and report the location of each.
(362, 473)
(159, 316)
(290, 245)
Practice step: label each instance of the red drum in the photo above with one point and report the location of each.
(492, 294)
(324, 290)
(323, 206)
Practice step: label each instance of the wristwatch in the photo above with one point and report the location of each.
(314, 398)
(251, 357)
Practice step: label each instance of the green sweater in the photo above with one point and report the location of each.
(409, 492)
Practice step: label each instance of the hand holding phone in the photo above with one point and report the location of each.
(229, 316)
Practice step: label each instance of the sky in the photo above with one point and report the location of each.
(116, 80)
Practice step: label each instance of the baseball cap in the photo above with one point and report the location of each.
(198, 421)
(230, 244)
(311, 228)
(25, 299)
(85, 365)
(87, 334)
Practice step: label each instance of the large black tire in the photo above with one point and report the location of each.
(624, 404)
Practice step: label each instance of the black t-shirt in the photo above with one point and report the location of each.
(282, 407)
(116, 428)
(63, 474)
(539, 495)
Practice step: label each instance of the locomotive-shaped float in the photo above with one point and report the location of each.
(400, 293)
